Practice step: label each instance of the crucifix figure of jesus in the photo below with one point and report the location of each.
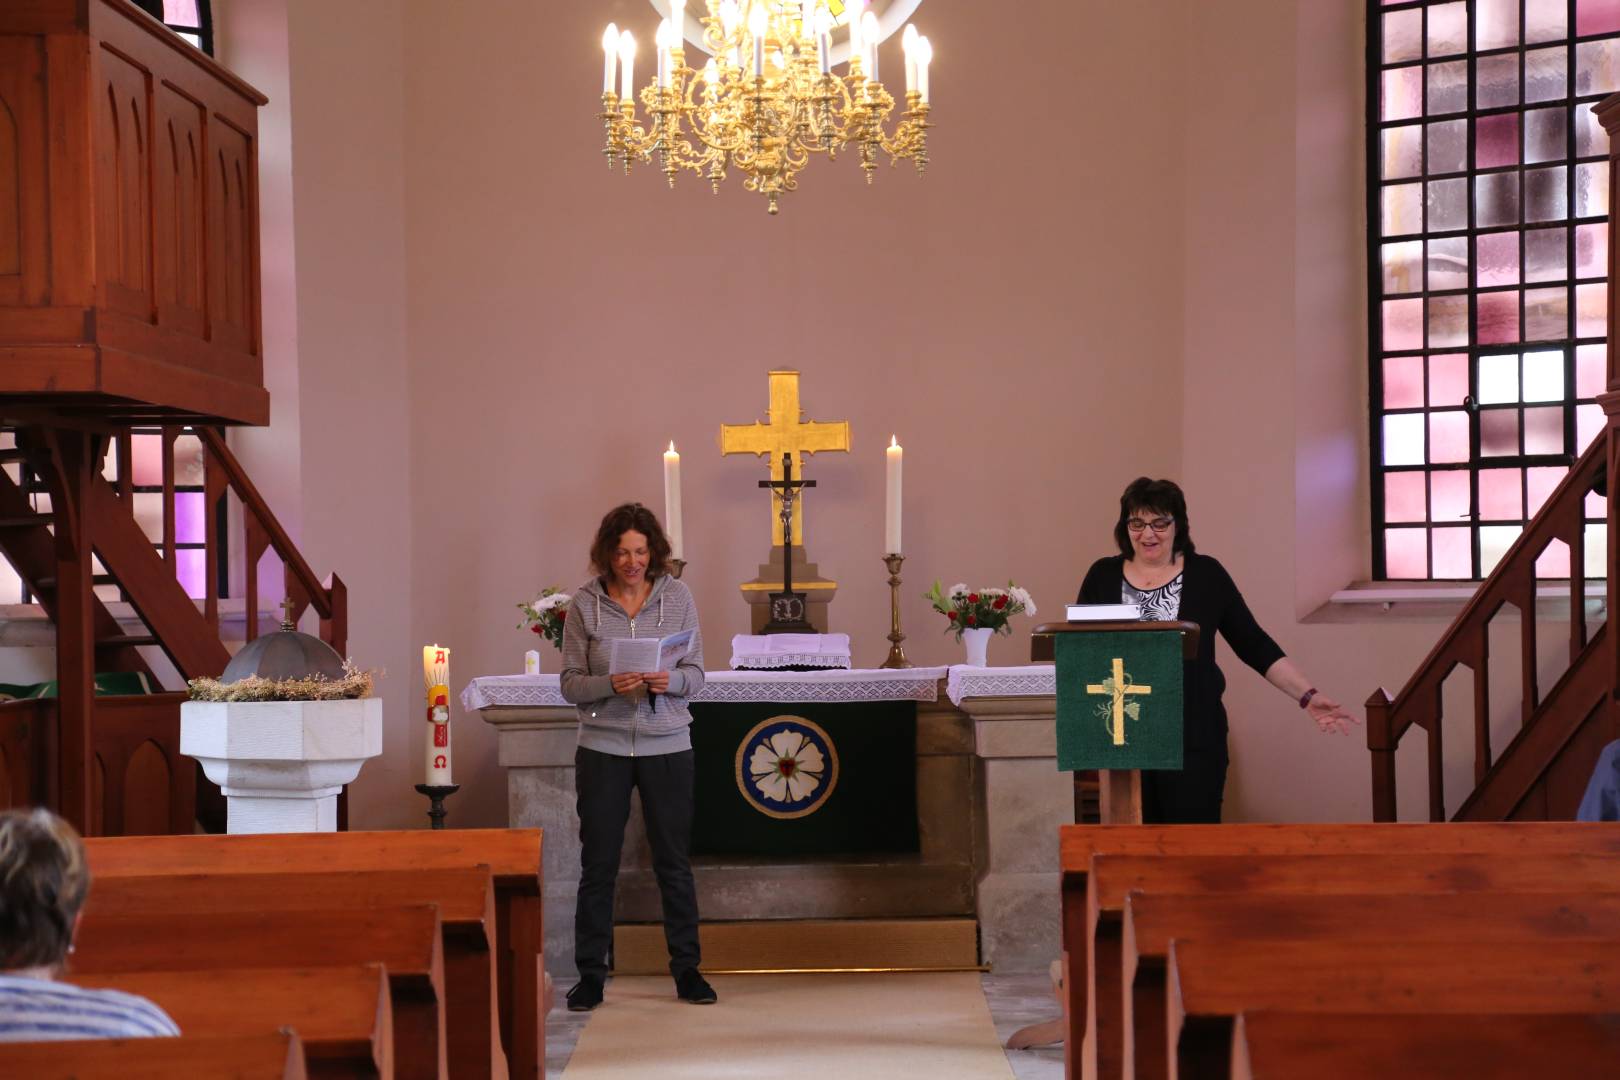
(787, 606)
(1117, 687)
(783, 439)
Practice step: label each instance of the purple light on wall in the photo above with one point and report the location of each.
(191, 567)
(188, 517)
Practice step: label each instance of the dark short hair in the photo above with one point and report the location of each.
(627, 518)
(44, 879)
(1159, 496)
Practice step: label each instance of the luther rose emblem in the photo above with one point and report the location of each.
(787, 767)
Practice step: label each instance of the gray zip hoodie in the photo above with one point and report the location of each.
(639, 726)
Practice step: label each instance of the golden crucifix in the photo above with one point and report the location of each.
(786, 432)
(1118, 686)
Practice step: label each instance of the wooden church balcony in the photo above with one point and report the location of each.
(129, 262)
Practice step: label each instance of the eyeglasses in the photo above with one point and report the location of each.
(1158, 525)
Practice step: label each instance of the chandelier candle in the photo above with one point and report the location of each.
(610, 57)
(672, 500)
(764, 120)
(436, 676)
(891, 516)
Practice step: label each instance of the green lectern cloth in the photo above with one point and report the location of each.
(805, 779)
(1094, 701)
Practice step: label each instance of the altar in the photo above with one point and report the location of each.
(980, 789)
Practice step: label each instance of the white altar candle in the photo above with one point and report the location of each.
(627, 66)
(531, 662)
(891, 518)
(610, 57)
(436, 677)
(672, 500)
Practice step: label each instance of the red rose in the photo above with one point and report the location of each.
(537, 628)
(999, 603)
(562, 614)
(972, 620)
(973, 598)
(952, 615)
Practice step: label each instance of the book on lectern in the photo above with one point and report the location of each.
(1105, 612)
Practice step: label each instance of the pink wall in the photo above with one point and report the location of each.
(1157, 205)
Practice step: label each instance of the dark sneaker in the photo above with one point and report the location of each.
(586, 995)
(692, 988)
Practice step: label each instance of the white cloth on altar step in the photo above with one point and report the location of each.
(762, 652)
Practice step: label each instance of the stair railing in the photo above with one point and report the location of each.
(1466, 643)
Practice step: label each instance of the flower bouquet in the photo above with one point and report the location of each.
(546, 613)
(983, 609)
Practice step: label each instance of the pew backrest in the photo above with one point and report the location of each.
(272, 1056)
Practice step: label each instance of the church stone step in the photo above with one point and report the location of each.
(810, 890)
(808, 945)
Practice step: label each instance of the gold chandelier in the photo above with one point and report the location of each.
(767, 98)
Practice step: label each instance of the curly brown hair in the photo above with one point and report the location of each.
(44, 880)
(627, 518)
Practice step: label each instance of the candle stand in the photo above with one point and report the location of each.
(897, 655)
(436, 794)
(676, 567)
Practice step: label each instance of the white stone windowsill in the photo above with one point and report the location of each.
(1365, 601)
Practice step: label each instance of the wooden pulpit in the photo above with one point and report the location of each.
(1108, 716)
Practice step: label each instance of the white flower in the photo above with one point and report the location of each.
(959, 589)
(555, 600)
(787, 767)
(1022, 598)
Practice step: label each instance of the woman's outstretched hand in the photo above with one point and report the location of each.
(627, 683)
(1330, 717)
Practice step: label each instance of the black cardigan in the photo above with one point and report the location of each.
(1211, 599)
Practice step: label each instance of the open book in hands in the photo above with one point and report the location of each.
(635, 655)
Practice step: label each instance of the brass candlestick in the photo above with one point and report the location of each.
(897, 655)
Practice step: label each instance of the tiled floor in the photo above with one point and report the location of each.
(1014, 1000)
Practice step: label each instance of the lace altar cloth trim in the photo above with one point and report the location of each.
(784, 660)
(860, 684)
(1035, 680)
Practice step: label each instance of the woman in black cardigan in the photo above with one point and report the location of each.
(1159, 569)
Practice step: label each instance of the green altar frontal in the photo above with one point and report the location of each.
(809, 778)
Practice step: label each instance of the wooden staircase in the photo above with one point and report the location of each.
(112, 764)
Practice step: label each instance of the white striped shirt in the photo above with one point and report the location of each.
(36, 1010)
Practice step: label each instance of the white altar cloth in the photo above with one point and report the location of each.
(1028, 680)
(859, 684)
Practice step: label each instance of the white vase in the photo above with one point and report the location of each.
(976, 640)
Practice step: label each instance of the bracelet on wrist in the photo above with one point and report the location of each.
(1305, 698)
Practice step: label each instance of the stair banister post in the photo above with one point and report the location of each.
(1381, 745)
(1608, 114)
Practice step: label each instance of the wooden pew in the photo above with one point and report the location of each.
(1274, 1045)
(513, 856)
(407, 941)
(1152, 920)
(1211, 983)
(278, 1056)
(465, 899)
(1079, 843)
(340, 1013)
(1114, 876)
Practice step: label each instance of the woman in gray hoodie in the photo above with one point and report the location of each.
(633, 733)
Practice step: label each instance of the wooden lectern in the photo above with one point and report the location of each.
(1119, 790)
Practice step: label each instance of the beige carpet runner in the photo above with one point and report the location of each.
(794, 1027)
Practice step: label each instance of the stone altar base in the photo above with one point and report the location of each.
(989, 803)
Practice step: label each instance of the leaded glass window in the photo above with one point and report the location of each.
(192, 20)
(1488, 252)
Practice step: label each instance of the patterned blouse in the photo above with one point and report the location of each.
(1158, 605)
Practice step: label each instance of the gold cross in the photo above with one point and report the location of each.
(1118, 688)
(786, 432)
